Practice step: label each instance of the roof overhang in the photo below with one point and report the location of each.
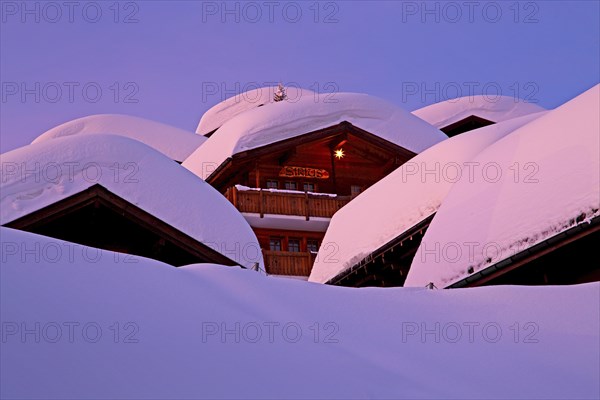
(343, 127)
(97, 195)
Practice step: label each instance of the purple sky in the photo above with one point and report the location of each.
(170, 53)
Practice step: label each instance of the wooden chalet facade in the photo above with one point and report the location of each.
(291, 188)
(98, 218)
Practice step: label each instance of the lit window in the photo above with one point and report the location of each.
(275, 244)
(294, 245)
(312, 246)
(355, 190)
(309, 187)
(272, 184)
(291, 186)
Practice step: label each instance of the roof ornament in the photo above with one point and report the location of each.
(279, 94)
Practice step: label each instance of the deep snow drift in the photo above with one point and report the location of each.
(173, 142)
(136, 328)
(402, 199)
(44, 173)
(538, 181)
(275, 122)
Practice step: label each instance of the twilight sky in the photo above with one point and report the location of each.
(171, 61)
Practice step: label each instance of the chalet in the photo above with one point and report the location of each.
(115, 193)
(456, 116)
(288, 167)
(506, 231)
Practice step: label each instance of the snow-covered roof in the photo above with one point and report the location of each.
(492, 108)
(402, 199)
(549, 173)
(46, 172)
(222, 112)
(283, 120)
(147, 331)
(173, 142)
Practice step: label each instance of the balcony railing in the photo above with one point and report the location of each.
(285, 203)
(288, 263)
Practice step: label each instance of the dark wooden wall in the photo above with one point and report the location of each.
(363, 164)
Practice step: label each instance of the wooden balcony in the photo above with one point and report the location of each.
(288, 263)
(271, 202)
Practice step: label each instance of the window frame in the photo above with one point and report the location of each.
(314, 187)
(308, 243)
(270, 181)
(295, 240)
(286, 183)
(278, 240)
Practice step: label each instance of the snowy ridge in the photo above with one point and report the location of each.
(171, 342)
(402, 199)
(492, 108)
(173, 142)
(558, 160)
(43, 173)
(217, 115)
(283, 120)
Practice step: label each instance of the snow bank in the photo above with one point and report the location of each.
(402, 199)
(229, 108)
(492, 108)
(43, 173)
(542, 177)
(283, 120)
(145, 330)
(175, 143)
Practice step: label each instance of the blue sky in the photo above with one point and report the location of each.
(157, 59)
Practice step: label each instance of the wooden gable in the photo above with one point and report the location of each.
(366, 159)
(98, 218)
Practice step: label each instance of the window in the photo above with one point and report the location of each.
(355, 190)
(275, 244)
(294, 245)
(309, 187)
(312, 245)
(271, 184)
(291, 186)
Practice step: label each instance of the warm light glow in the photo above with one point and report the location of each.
(339, 153)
